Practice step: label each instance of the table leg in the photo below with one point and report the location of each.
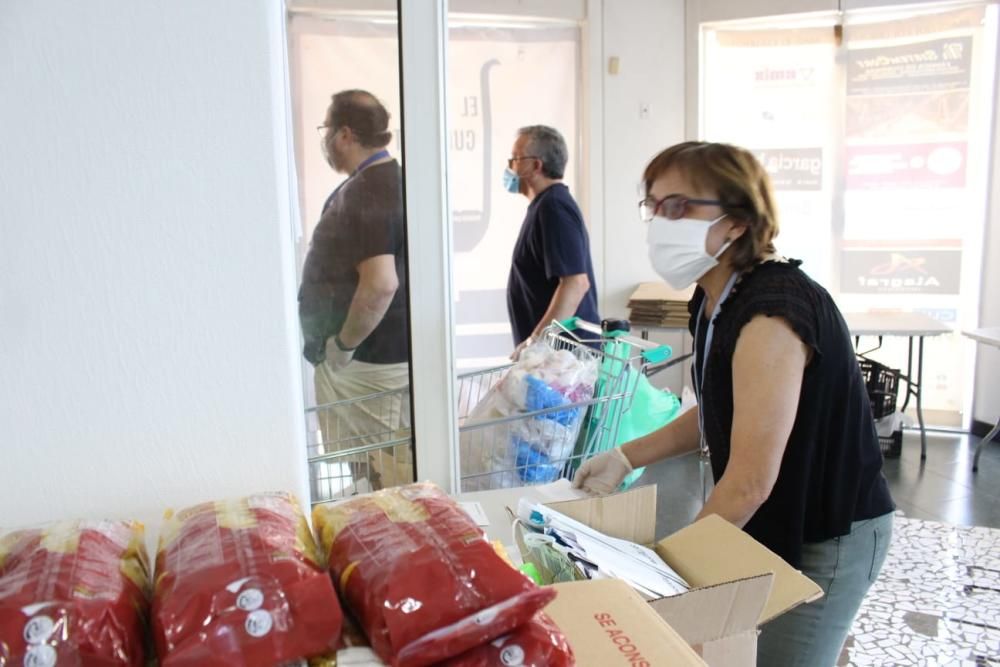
(917, 392)
(909, 374)
(982, 443)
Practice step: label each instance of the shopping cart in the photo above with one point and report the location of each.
(365, 443)
(360, 444)
(542, 445)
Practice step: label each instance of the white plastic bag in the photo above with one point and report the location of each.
(514, 452)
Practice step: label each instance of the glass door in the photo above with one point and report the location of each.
(352, 251)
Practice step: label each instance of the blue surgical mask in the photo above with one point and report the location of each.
(511, 181)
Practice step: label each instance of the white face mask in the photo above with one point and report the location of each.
(677, 249)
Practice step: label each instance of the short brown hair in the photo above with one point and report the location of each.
(741, 184)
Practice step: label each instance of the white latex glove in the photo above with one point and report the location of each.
(336, 358)
(604, 473)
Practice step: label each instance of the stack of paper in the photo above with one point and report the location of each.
(657, 304)
(600, 556)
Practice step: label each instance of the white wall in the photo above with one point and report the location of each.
(147, 335)
(647, 37)
(986, 399)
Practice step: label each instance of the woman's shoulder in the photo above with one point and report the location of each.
(777, 289)
(780, 277)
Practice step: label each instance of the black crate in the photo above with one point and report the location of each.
(891, 445)
(882, 384)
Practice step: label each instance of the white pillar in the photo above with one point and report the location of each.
(423, 40)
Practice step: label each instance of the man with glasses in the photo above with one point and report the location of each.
(551, 273)
(352, 301)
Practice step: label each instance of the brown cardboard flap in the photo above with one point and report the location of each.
(630, 515)
(735, 651)
(608, 624)
(713, 551)
(706, 614)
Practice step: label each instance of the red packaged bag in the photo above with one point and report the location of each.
(240, 583)
(537, 643)
(74, 593)
(419, 575)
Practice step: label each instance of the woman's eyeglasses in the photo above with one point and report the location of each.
(672, 207)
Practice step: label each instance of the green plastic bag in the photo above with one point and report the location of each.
(652, 409)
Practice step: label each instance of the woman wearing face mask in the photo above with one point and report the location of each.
(782, 403)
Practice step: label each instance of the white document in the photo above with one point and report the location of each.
(633, 563)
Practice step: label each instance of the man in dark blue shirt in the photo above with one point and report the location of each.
(551, 273)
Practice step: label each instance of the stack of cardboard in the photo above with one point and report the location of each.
(659, 305)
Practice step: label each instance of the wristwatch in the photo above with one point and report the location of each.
(340, 344)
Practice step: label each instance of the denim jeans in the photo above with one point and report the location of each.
(811, 635)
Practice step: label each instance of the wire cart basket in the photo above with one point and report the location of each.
(365, 443)
(359, 445)
(542, 445)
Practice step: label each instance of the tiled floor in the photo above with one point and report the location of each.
(937, 601)
(945, 488)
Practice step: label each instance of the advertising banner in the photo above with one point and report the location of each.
(901, 271)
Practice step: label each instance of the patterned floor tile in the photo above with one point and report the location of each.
(936, 602)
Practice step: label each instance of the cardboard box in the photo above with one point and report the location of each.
(737, 583)
(609, 624)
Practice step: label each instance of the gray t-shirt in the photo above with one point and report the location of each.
(363, 219)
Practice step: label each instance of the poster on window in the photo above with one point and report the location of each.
(499, 80)
(793, 168)
(907, 122)
(772, 91)
(917, 67)
(907, 166)
(902, 271)
(941, 114)
(779, 79)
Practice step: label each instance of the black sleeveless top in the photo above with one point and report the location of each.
(831, 471)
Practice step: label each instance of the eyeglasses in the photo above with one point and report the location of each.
(322, 129)
(673, 206)
(512, 160)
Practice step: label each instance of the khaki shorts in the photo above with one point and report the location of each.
(370, 410)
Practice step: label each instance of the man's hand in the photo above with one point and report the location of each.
(604, 473)
(527, 342)
(337, 358)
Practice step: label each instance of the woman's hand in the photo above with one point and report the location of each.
(604, 473)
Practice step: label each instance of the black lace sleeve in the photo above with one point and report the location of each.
(776, 290)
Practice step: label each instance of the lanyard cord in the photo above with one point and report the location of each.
(701, 360)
